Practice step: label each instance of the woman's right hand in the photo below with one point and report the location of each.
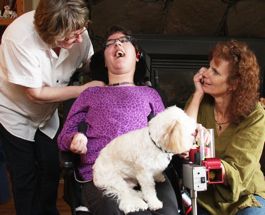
(91, 84)
(94, 83)
(79, 144)
(198, 80)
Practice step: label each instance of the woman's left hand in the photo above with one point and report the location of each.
(198, 80)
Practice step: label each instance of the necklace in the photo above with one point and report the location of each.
(220, 124)
(122, 83)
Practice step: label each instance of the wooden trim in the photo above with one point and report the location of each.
(4, 21)
(20, 7)
(19, 10)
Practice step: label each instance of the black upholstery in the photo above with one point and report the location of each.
(68, 162)
(72, 188)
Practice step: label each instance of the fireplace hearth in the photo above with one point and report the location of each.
(172, 62)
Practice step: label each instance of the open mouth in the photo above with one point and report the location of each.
(119, 54)
(206, 84)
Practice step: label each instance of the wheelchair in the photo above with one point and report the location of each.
(73, 184)
(69, 161)
(72, 181)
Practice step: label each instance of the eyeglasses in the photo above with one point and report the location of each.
(75, 35)
(124, 39)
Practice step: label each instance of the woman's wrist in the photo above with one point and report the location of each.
(198, 96)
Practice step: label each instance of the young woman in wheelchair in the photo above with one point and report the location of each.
(122, 105)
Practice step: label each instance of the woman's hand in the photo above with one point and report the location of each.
(198, 80)
(93, 84)
(79, 144)
(185, 155)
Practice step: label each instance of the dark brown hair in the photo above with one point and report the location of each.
(98, 71)
(119, 29)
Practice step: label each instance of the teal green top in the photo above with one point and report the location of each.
(240, 148)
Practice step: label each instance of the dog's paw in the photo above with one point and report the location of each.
(154, 204)
(132, 204)
(159, 178)
(138, 193)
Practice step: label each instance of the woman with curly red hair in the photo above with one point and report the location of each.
(226, 99)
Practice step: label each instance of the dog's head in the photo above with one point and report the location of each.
(172, 130)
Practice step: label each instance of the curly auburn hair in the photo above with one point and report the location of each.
(244, 75)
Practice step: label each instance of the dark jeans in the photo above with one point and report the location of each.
(202, 211)
(102, 205)
(34, 171)
(254, 210)
(4, 187)
(244, 211)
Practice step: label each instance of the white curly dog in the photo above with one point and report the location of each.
(140, 157)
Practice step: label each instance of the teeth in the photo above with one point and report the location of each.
(120, 54)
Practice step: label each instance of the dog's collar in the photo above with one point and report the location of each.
(159, 147)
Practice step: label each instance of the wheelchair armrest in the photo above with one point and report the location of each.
(68, 160)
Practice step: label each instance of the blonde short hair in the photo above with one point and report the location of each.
(54, 20)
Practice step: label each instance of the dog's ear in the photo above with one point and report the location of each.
(174, 139)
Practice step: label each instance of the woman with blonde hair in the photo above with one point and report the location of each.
(39, 52)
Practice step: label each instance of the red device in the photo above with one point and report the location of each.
(213, 166)
(214, 170)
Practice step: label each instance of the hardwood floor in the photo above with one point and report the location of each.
(8, 208)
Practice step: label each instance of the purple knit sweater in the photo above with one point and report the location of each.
(109, 112)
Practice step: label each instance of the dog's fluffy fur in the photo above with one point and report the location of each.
(134, 158)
